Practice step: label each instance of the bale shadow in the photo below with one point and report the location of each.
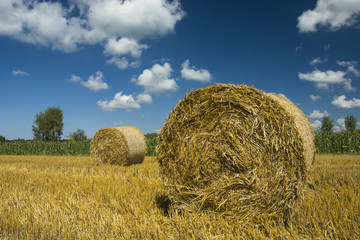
(163, 203)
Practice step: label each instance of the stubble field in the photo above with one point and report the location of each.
(61, 197)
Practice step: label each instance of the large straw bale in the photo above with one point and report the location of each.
(303, 126)
(118, 145)
(235, 150)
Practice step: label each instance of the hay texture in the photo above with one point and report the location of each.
(306, 132)
(235, 150)
(119, 145)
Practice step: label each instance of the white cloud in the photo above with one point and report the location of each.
(350, 67)
(327, 77)
(19, 73)
(348, 87)
(337, 128)
(317, 61)
(144, 98)
(123, 63)
(157, 80)
(341, 123)
(318, 114)
(136, 18)
(191, 73)
(124, 46)
(124, 102)
(75, 78)
(34, 21)
(341, 102)
(315, 98)
(96, 21)
(119, 101)
(332, 14)
(316, 124)
(323, 79)
(96, 83)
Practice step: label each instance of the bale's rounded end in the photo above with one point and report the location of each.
(303, 126)
(122, 146)
(232, 149)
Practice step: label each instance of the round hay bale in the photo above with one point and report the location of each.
(118, 145)
(235, 150)
(303, 126)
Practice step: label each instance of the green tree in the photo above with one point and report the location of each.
(2, 139)
(151, 142)
(350, 124)
(78, 136)
(327, 125)
(48, 125)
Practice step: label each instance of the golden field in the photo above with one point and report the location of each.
(61, 197)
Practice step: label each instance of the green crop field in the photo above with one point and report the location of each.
(67, 197)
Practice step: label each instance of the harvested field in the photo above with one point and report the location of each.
(46, 197)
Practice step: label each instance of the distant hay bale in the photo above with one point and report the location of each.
(118, 145)
(235, 150)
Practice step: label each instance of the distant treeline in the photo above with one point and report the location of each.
(333, 142)
(38, 147)
(62, 147)
(343, 142)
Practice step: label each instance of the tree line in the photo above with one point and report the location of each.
(48, 127)
(47, 132)
(346, 141)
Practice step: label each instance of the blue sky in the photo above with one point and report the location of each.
(112, 63)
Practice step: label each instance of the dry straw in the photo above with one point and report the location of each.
(235, 150)
(119, 145)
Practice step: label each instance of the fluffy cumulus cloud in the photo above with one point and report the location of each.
(95, 83)
(332, 14)
(341, 123)
(124, 46)
(144, 98)
(121, 101)
(88, 22)
(318, 114)
(316, 124)
(136, 18)
(324, 79)
(34, 21)
(157, 80)
(191, 73)
(341, 102)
